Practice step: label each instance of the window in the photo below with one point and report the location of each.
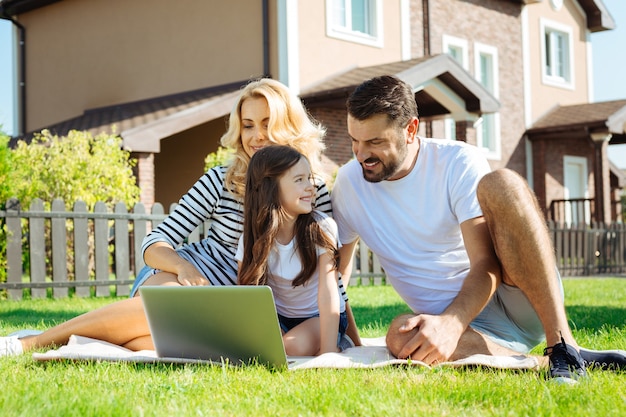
(457, 49)
(355, 20)
(486, 72)
(556, 54)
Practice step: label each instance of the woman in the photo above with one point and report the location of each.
(265, 113)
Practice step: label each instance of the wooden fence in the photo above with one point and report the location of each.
(583, 250)
(99, 252)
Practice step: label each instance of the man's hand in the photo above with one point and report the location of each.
(426, 338)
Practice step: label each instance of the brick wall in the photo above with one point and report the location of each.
(467, 19)
(145, 178)
(338, 147)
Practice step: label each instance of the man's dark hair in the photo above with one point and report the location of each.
(383, 95)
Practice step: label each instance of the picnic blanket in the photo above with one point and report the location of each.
(373, 354)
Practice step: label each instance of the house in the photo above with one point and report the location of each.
(505, 75)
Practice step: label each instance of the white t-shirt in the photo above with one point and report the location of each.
(413, 224)
(285, 265)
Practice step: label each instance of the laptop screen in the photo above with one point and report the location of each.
(232, 324)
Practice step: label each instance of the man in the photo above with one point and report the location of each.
(468, 250)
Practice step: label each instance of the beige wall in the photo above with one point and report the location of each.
(544, 97)
(114, 51)
(322, 56)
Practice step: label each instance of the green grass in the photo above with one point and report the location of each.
(596, 308)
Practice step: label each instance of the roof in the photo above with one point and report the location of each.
(598, 16)
(442, 87)
(16, 7)
(142, 124)
(604, 117)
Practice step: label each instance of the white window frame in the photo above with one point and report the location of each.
(549, 76)
(580, 162)
(345, 32)
(452, 42)
(493, 150)
(460, 44)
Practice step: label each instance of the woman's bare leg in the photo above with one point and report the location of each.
(122, 323)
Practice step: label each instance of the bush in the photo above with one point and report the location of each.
(76, 167)
(220, 157)
(6, 187)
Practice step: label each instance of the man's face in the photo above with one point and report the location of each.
(379, 146)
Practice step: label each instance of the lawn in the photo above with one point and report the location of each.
(596, 308)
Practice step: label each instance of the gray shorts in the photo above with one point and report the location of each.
(510, 321)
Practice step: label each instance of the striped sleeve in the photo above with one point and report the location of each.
(322, 198)
(193, 208)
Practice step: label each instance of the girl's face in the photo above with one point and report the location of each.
(296, 190)
(255, 116)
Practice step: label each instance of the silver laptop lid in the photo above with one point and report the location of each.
(237, 324)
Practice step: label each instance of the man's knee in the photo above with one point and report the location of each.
(395, 339)
(501, 179)
(504, 188)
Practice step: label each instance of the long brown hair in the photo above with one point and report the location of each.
(263, 216)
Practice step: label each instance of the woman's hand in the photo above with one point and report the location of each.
(188, 275)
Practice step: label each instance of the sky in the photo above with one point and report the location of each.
(609, 62)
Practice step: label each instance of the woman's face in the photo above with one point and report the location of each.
(255, 116)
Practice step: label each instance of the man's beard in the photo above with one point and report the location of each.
(388, 170)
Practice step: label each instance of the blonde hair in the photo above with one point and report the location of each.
(289, 124)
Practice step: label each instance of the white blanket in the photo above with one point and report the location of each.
(373, 354)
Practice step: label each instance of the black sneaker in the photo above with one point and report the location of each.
(604, 359)
(566, 364)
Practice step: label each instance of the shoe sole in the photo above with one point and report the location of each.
(561, 380)
(604, 359)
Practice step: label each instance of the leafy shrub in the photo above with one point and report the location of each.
(220, 157)
(6, 187)
(76, 167)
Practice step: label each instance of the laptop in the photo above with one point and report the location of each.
(231, 324)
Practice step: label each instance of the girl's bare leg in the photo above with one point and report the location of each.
(304, 339)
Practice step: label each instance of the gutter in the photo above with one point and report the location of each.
(266, 39)
(22, 71)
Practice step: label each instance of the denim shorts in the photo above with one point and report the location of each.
(510, 320)
(143, 275)
(288, 323)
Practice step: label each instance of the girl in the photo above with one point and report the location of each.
(293, 249)
(266, 112)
